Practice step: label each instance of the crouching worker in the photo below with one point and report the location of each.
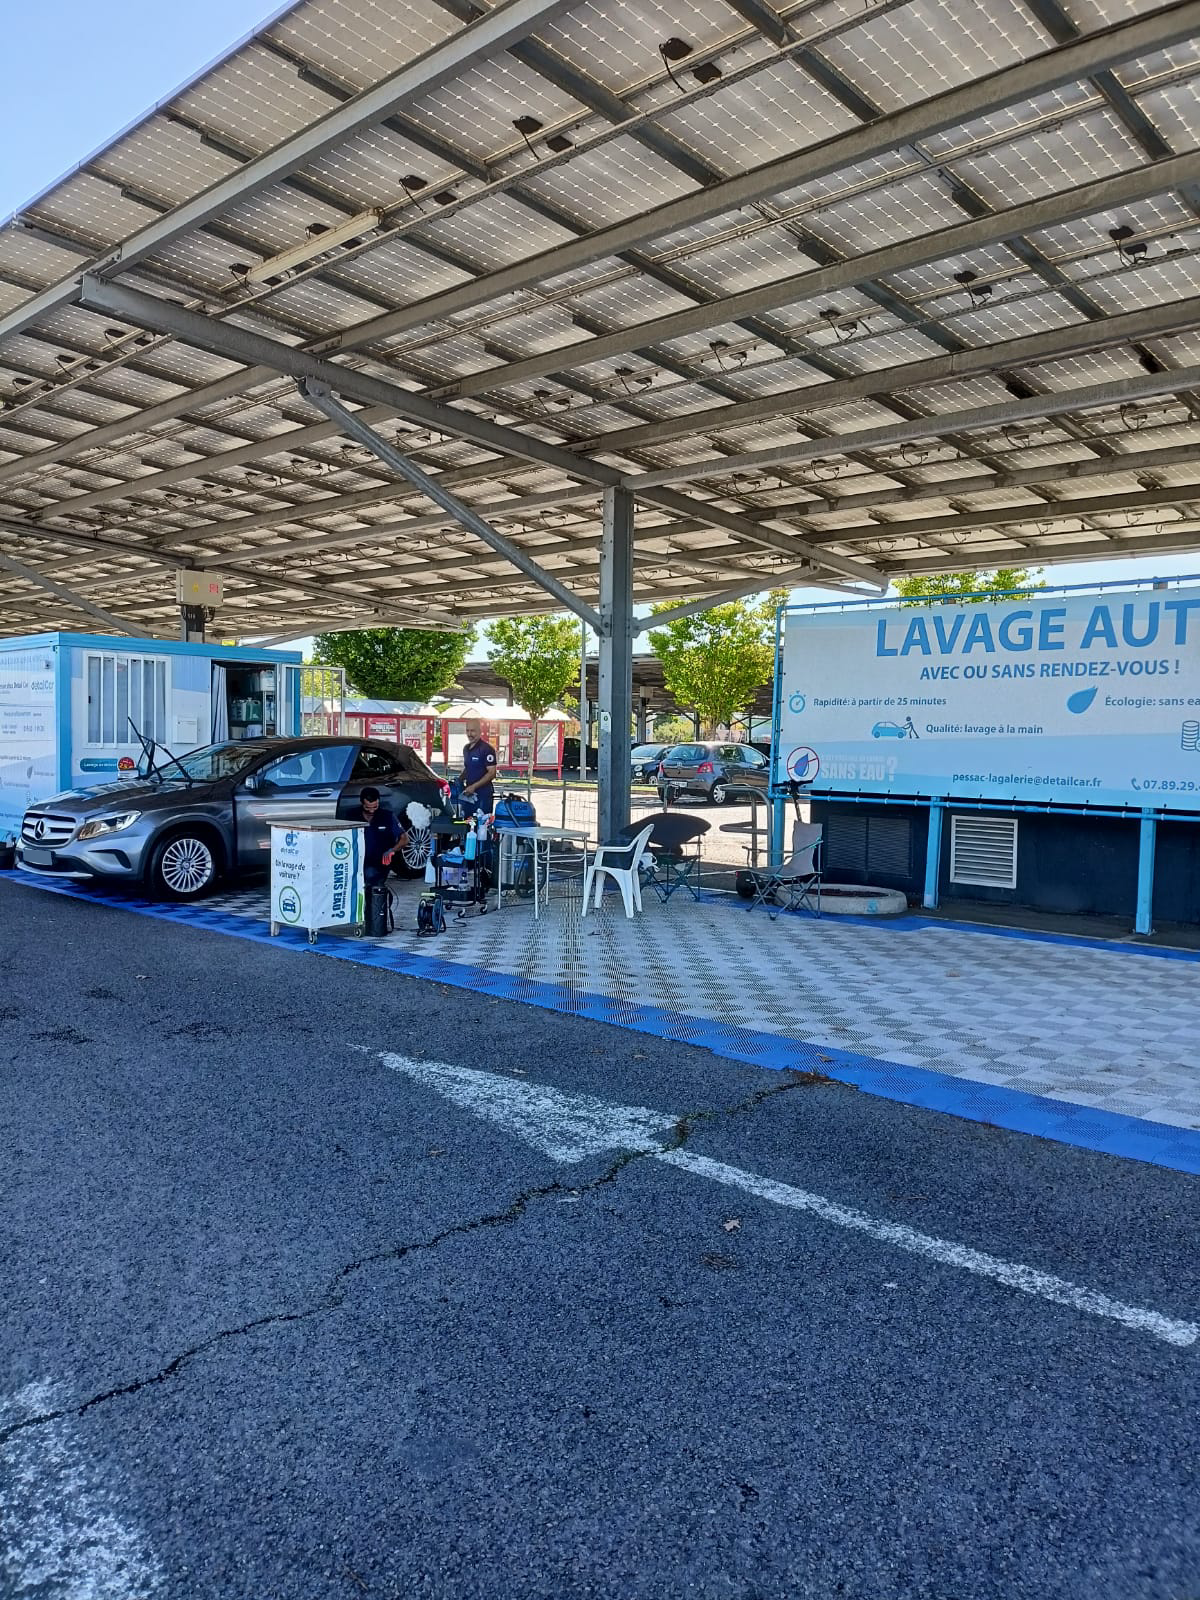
(384, 836)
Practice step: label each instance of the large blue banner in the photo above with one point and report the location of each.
(1079, 699)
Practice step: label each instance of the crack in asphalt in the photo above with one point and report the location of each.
(337, 1291)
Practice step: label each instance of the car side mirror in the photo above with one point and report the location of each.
(252, 784)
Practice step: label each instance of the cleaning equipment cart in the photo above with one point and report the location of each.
(456, 875)
(317, 876)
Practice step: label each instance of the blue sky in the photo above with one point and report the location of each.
(78, 73)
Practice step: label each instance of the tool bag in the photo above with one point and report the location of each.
(380, 912)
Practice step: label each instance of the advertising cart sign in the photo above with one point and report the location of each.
(1076, 699)
(316, 875)
(28, 748)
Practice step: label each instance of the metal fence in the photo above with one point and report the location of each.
(738, 835)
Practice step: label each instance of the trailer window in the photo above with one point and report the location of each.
(121, 689)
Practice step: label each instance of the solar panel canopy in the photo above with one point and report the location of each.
(840, 291)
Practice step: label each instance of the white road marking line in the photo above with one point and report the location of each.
(566, 1127)
(571, 1127)
(1014, 1275)
(60, 1532)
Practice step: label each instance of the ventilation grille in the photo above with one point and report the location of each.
(889, 848)
(873, 848)
(983, 850)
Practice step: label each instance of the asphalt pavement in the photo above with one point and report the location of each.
(289, 1312)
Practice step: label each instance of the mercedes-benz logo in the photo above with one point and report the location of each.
(40, 829)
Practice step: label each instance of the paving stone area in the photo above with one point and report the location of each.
(1108, 1027)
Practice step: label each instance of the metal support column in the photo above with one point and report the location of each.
(1144, 918)
(777, 811)
(643, 713)
(191, 624)
(933, 855)
(616, 662)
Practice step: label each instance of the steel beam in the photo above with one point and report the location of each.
(70, 598)
(1040, 406)
(236, 343)
(615, 709)
(1013, 85)
(98, 544)
(759, 533)
(382, 532)
(1130, 327)
(961, 238)
(490, 35)
(206, 466)
(1039, 511)
(788, 579)
(1170, 541)
(1085, 468)
(319, 395)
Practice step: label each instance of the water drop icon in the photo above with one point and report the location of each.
(1081, 700)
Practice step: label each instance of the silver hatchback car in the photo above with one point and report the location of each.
(176, 829)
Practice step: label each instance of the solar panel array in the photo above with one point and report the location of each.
(848, 288)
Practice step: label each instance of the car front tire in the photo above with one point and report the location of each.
(409, 860)
(184, 866)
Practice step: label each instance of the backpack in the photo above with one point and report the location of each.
(431, 917)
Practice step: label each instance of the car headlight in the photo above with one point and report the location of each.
(106, 825)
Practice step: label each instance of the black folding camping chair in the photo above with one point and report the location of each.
(672, 864)
(796, 885)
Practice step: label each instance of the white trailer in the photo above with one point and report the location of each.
(67, 701)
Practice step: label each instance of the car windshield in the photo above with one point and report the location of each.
(210, 763)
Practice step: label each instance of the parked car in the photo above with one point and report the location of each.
(179, 826)
(718, 772)
(570, 755)
(643, 762)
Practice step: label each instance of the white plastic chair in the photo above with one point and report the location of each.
(620, 862)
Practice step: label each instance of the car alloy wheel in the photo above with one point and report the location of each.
(414, 853)
(187, 866)
(718, 794)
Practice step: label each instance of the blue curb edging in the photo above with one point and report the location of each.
(1107, 1132)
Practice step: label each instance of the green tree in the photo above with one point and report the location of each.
(970, 588)
(538, 657)
(672, 729)
(713, 662)
(395, 663)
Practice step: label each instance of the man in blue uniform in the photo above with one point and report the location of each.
(479, 771)
(383, 837)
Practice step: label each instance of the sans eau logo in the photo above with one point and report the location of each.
(339, 848)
